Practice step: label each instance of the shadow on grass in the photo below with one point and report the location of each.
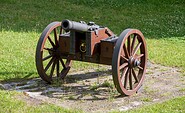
(16, 76)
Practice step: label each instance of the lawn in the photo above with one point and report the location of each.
(9, 105)
(171, 106)
(22, 21)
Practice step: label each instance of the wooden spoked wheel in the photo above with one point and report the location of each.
(129, 61)
(49, 62)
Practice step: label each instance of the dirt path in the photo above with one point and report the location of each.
(93, 91)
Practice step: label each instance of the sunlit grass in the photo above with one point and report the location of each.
(175, 105)
(171, 106)
(17, 56)
(10, 104)
(167, 51)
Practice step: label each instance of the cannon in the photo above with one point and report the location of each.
(62, 42)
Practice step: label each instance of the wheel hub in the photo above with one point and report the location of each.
(133, 62)
(54, 52)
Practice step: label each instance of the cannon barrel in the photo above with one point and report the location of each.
(72, 25)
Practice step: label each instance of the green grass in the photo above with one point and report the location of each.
(106, 83)
(9, 105)
(17, 54)
(146, 99)
(167, 51)
(171, 106)
(22, 21)
(154, 18)
(182, 90)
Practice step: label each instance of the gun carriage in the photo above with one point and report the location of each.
(62, 42)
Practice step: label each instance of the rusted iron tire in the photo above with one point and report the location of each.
(129, 61)
(48, 55)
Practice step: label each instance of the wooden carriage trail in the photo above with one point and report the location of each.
(92, 91)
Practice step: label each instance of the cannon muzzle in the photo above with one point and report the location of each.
(72, 25)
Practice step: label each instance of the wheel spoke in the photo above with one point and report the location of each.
(62, 62)
(49, 49)
(47, 57)
(140, 67)
(123, 66)
(56, 37)
(137, 48)
(68, 64)
(124, 72)
(61, 30)
(58, 68)
(124, 58)
(139, 56)
(125, 51)
(49, 64)
(128, 46)
(133, 43)
(52, 69)
(135, 77)
(51, 42)
(130, 79)
(126, 78)
(122, 55)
